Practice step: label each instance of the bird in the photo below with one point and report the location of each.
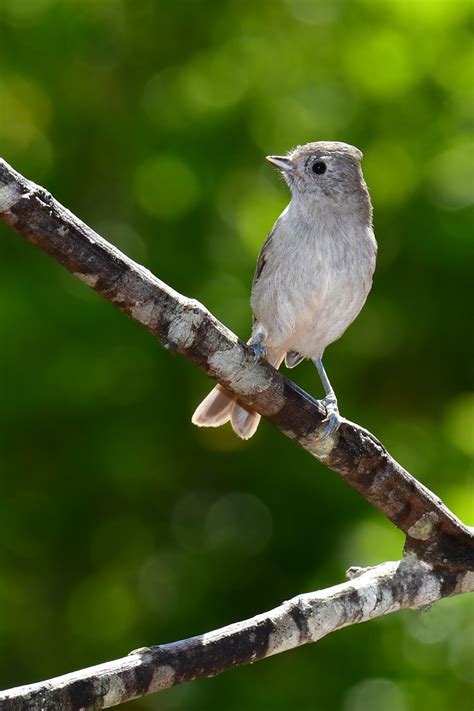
(313, 274)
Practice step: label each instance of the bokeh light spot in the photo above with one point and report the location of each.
(239, 522)
(25, 12)
(460, 499)
(158, 583)
(314, 113)
(375, 694)
(461, 651)
(164, 103)
(459, 422)
(188, 516)
(433, 626)
(390, 171)
(381, 63)
(322, 12)
(166, 187)
(101, 609)
(452, 176)
(26, 112)
(250, 204)
(372, 542)
(214, 80)
(426, 13)
(220, 439)
(228, 298)
(378, 330)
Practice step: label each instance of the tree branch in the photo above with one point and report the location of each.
(378, 591)
(185, 326)
(440, 548)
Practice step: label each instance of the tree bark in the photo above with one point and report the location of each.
(439, 547)
(306, 618)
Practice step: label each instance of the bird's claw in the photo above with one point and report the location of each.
(333, 417)
(259, 351)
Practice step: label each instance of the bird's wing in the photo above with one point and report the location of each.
(292, 358)
(261, 261)
(262, 257)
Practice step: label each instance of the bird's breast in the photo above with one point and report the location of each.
(313, 285)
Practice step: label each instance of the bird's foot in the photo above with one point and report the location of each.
(333, 417)
(259, 350)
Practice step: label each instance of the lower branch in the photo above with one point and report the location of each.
(371, 593)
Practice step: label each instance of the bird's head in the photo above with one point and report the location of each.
(324, 169)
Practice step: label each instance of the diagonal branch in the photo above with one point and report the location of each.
(185, 326)
(306, 618)
(439, 547)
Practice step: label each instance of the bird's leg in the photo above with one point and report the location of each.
(333, 417)
(256, 343)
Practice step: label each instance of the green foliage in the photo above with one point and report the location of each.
(121, 525)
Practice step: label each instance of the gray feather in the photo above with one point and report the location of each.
(292, 359)
(314, 270)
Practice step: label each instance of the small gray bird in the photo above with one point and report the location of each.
(313, 274)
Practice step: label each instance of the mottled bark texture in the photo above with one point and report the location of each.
(439, 548)
(370, 593)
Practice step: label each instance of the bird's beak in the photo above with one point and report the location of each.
(282, 163)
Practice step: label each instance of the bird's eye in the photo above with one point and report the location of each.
(319, 167)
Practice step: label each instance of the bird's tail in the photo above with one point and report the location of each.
(221, 405)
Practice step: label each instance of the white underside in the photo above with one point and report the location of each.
(314, 282)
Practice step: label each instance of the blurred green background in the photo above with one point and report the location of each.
(122, 525)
